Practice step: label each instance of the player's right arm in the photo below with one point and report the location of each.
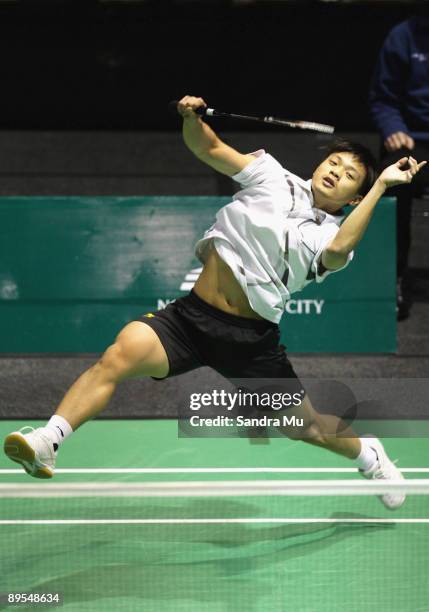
(353, 228)
(205, 144)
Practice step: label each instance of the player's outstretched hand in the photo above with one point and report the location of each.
(402, 172)
(188, 105)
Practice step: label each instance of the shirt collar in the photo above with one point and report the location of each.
(328, 218)
(320, 216)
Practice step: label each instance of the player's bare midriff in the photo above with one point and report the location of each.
(218, 286)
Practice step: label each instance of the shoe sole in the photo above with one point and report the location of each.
(17, 448)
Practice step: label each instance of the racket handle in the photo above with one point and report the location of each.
(172, 109)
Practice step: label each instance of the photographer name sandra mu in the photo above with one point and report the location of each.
(240, 421)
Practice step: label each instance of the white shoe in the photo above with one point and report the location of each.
(34, 451)
(385, 469)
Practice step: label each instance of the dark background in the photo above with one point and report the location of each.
(115, 65)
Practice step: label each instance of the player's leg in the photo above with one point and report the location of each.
(137, 351)
(271, 367)
(327, 431)
(333, 434)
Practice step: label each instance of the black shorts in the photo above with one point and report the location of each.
(194, 334)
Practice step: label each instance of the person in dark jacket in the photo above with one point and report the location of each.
(399, 105)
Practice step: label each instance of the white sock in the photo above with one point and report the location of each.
(58, 429)
(367, 456)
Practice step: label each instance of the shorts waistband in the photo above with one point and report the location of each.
(232, 319)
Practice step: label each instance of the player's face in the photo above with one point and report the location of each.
(337, 181)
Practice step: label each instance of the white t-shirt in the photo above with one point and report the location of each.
(271, 236)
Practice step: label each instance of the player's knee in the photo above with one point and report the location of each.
(312, 433)
(305, 432)
(305, 423)
(128, 354)
(112, 365)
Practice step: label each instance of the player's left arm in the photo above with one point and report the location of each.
(349, 235)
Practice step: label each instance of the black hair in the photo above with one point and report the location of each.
(363, 155)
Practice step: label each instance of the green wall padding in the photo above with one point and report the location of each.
(75, 270)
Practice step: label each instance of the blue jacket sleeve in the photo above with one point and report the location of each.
(387, 91)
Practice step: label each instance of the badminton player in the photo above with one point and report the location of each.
(277, 235)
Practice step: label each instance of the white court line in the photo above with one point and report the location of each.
(273, 470)
(207, 521)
